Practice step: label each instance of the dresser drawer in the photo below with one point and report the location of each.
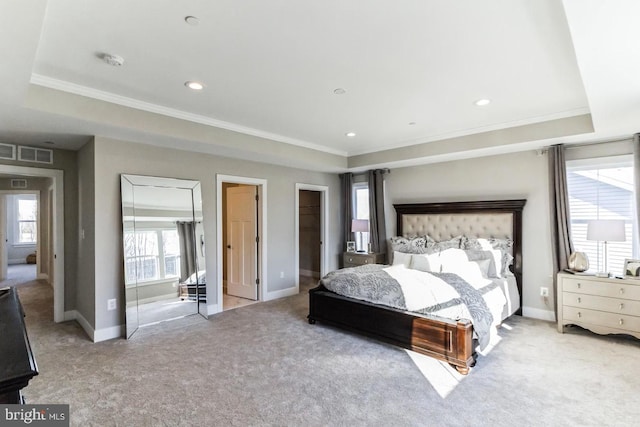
(605, 289)
(601, 318)
(614, 305)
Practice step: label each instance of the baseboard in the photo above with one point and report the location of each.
(95, 335)
(43, 276)
(213, 309)
(281, 293)
(537, 313)
(309, 273)
(158, 298)
(110, 333)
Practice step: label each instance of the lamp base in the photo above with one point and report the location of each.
(602, 274)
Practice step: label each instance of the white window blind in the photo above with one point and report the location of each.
(601, 189)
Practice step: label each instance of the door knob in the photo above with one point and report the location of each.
(228, 246)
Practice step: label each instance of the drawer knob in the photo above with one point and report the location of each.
(621, 291)
(366, 261)
(579, 285)
(579, 314)
(621, 321)
(350, 259)
(579, 300)
(621, 306)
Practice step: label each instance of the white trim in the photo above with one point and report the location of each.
(88, 92)
(108, 333)
(310, 273)
(262, 232)
(43, 276)
(157, 298)
(282, 293)
(57, 245)
(537, 313)
(324, 228)
(84, 324)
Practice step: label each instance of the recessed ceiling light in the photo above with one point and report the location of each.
(350, 134)
(191, 20)
(194, 85)
(48, 142)
(412, 123)
(339, 91)
(482, 102)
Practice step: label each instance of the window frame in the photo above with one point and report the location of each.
(17, 221)
(599, 163)
(160, 258)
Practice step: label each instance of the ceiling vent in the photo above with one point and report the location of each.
(36, 155)
(7, 151)
(18, 183)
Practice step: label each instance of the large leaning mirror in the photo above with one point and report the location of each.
(163, 241)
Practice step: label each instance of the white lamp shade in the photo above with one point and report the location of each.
(361, 225)
(607, 230)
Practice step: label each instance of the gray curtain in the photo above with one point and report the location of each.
(346, 186)
(561, 245)
(377, 223)
(186, 235)
(636, 181)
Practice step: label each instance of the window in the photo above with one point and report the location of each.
(152, 255)
(26, 211)
(361, 210)
(602, 189)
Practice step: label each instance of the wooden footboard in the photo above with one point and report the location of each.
(443, 339)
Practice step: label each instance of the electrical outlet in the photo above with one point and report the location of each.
(111, 304)
(544, 292)
(282, 274)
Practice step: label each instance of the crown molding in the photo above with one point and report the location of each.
(124, 101)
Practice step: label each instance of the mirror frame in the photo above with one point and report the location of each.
(128, 183)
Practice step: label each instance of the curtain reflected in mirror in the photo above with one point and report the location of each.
(163, 238)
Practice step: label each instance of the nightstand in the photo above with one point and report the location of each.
(602, 305)
(354, 259)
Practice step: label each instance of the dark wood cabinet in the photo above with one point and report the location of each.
(17, 364)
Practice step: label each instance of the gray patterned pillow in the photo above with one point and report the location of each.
(409, 245)
(505, 246)
(453, 243)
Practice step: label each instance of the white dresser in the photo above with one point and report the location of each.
(602, 305)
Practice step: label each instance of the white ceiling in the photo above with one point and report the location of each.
(270, 69)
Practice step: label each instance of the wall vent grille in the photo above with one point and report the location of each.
(36, 155)
(18, 183)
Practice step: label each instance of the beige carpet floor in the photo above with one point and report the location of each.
(264, 365)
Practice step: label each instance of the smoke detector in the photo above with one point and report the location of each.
(114, 60)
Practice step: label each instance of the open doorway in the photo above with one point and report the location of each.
(311, 229)
(241, 239)
(47, 259)
(22, 236)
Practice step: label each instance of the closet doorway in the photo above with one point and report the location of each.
(311, 228)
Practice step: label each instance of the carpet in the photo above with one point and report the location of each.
(264, 365)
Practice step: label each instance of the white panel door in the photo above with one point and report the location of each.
(242, 246)
(3, 238)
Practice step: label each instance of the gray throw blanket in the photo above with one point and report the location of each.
(371, 283)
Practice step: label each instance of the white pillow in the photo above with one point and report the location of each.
(401, 258)
(456, 261)
(426, 262)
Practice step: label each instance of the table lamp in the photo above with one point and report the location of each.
(360, 226)
(606, 230)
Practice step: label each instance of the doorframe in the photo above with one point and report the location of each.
(261, 184)
(57, 245)
(324, 228)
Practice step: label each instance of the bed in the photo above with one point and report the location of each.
(450, 340)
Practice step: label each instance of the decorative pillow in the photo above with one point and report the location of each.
(409, 245)
(487, 244)
(489, 267)
(453, 243)
(402, 258)
(426, 262)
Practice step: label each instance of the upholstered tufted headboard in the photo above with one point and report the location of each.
(442, 221)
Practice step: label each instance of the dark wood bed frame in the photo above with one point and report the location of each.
(444, 339)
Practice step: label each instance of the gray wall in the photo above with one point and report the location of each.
(114, 157)
(86, 293)
(512, 176)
